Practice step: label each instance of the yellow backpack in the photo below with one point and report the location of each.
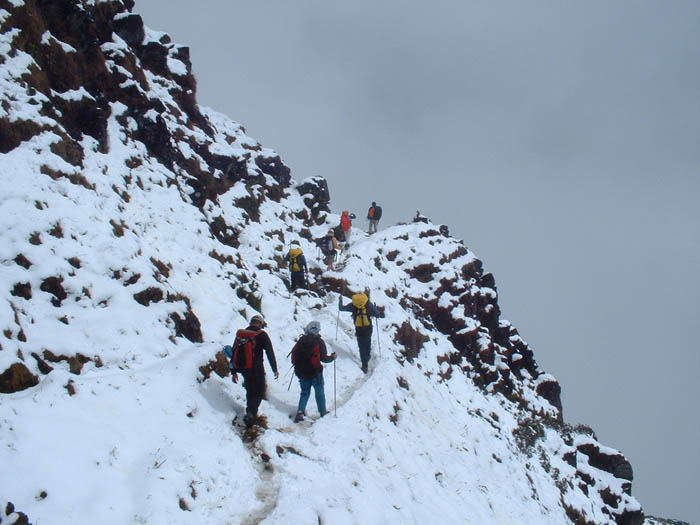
(359, 301)
(293, 264)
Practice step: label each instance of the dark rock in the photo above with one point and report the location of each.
(23, 261)
(54, 286)
(316, 195)
(22, 290)
(17, 378)
(551, 391)
(44, 367)
(615, 464)
(130, 29)
(411, 340)
(149, 295)
(188, 327)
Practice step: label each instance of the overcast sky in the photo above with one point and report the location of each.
(560, 140)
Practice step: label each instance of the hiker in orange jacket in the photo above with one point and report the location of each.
(373, 215)
(346, 225)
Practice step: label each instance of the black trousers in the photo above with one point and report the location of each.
(254, 384)
(364, 343)
(298, 280)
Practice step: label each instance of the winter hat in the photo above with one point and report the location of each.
(257, 320)
(313, 328)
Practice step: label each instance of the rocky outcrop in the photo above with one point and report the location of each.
(16, 378)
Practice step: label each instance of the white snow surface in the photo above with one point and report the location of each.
(145, 438)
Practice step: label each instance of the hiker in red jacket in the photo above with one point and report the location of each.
(248, 360)
(346, 225)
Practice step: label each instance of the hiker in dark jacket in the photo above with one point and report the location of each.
(373, 215)
(297, 267)
(328, 246)
(254, 378)
(307, 355)
(362, 310)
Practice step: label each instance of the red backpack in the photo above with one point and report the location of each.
(243, 348)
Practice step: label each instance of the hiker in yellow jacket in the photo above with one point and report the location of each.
(297, 267)
(362, 310)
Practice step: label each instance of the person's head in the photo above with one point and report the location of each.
(295, 243)
(257, 320)
(313, 328)
(374, 203)
(331, 233)
(345, 212)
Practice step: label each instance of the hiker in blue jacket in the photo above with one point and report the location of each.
(362, 309)
(307, 355)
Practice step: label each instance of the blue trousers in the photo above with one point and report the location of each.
(317, 383)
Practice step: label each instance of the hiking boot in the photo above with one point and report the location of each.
(249, 420)
(326, 412)
(299, 417)
(364, 368)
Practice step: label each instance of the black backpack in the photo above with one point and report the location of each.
(377, 213)
(306, 356)
(326, 245)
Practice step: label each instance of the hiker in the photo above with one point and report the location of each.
(328, 246)
(297, 267)
(248, 360)
(307, 355)
(346, 225)
(362, 310)
(373, 215)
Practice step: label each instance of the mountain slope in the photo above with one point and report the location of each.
(142, 230)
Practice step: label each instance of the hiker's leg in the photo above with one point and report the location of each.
(317, 382)
(255, 391)
(305, 385)
(365, 345)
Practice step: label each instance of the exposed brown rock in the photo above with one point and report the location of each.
(16, 378)
(54, 286)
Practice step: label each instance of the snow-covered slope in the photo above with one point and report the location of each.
(141, 230)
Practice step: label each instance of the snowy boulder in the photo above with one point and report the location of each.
(314, 191)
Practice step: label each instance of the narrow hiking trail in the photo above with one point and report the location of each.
(282, 399)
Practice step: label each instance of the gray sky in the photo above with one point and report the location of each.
(560, 140)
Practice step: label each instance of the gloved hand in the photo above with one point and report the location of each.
(334, 356)
(234, 377)
(277, 375)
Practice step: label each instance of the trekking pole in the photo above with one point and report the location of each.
(379, 344)
(335, 399)
(337, 320)
(290, 382)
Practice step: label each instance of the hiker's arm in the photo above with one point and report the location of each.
(372, 310)
(270, 352)
(325, 358)
(345, 307)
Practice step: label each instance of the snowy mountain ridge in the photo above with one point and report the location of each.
(142, 230)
